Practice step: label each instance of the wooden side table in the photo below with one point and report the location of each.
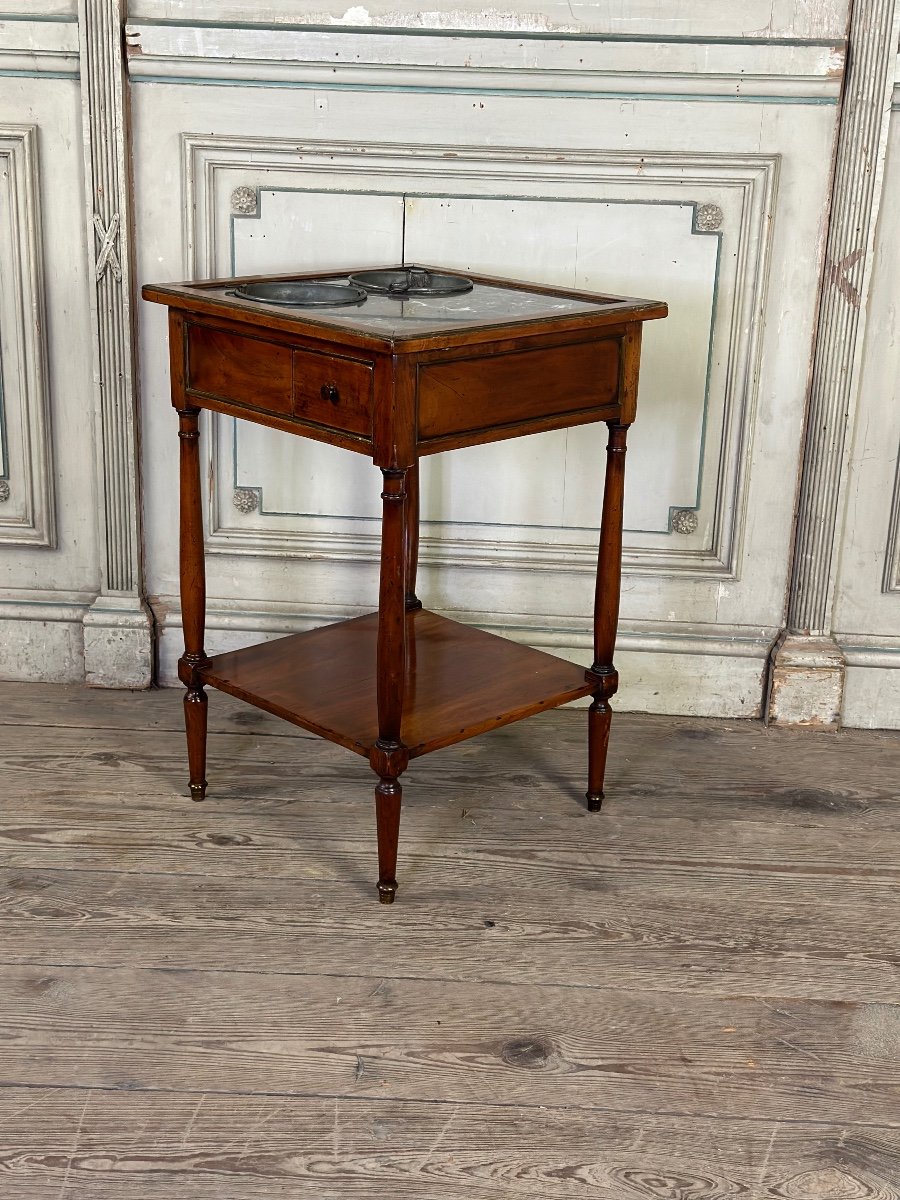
(396, 380)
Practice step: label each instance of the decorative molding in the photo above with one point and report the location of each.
(749, 182)
(834, 383)
(107, 259)
(4, 491)
(108, 191)
(891, 578)
(43, 48)
(26, 459)
(237, 54)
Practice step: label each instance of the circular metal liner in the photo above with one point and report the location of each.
(412, 281)
(302, 294)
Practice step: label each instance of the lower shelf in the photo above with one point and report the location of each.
(459, 681)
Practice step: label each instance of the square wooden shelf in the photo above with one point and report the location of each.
(460, 681)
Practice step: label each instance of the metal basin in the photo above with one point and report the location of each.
(301, 293)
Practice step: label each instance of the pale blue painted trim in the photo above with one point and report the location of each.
(48, 19)
(75, 73)
(257, 488)
(529, 93)
(530, 35)
(709, 358)
(4, 441)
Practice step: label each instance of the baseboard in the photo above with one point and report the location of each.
(42, 636)
(872, 684)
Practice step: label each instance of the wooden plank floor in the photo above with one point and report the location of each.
(693, 994)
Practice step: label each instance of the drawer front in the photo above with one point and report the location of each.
(481, 393)
(241, 369)
(333, 391)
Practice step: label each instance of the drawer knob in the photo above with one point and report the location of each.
(330, 392)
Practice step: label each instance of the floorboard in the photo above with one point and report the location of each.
(124, 1145)
(693, 994)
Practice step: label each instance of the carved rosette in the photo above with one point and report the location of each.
(245, 201)
(4, 491)
(245, 500)
(708, 218)
(684, 520)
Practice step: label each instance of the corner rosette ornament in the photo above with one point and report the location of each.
(4, 491)
(708, 218)
(685, 521)
(244, 201)
(245, 500)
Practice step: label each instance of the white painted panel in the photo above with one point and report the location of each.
(751, 19)
(638, 249)
(41, 8)
(308, 231)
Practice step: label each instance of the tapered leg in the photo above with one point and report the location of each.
(412, 537)
(389, 756)
(388, 795)
(606, 612)
(195, 708)
(599, 718)
(193, 600)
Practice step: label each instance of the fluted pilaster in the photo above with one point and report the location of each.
(118, 628)
(807, 676)
(856, 194)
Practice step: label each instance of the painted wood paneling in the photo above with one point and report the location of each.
(867, 615)
(708, 210)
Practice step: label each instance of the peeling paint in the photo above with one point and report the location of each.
(491, 20)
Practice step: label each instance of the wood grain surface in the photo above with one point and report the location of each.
(692, 994)
(454, 681)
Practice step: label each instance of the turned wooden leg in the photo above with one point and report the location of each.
(388, 795)
(389, 756)
(193, 600)
(195, 708)
(606, 612)
(412, 537)
(599, 718)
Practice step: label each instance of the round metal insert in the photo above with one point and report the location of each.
(299, 293)
(402, 282)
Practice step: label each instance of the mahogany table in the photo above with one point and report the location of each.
(395, 380)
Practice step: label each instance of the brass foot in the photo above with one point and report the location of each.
(387, 890)
(594, 801)
(198, 791)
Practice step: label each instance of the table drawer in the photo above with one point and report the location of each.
(465, 395)
(241, 369)
(333, 391)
